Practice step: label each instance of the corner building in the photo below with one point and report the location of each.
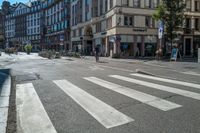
(190, 35)
(118, 27)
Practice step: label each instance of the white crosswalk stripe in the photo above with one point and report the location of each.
(31, 114)
(168, 80)
(106, 115)
(33, 117)
(142, 97)
(159, 87)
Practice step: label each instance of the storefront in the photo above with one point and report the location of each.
(150, 45)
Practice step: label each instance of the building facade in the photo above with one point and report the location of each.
(43, 24)
(19, 23)
(2, 31)
(33, 24)
(126, 27)
(56, 18)
(191, 29)
(117, 26)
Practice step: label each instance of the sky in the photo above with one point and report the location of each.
(14, 1)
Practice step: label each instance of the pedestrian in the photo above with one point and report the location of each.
(137, 53)
(97, 53)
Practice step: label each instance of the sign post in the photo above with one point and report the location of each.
(198, 55)
(160, 32)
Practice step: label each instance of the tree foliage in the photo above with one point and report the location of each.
(171, 12)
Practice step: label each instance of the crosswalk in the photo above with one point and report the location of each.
(102, 112)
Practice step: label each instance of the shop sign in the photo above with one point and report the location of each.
(174, 54)
(160, 30)
(140, 29)
(61, 37)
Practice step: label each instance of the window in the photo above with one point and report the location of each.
(197, 5)
(188, 23)
(147, 4)
(111, 4)
(98, 27)
(38, 30)
(74, 33)
(155, 3)
(148, 21)
(109, 22)
(80, 32)
(136, 3)
(125, 2)
(188, 5)
(128, 20)
(196, 24)
(106, 5)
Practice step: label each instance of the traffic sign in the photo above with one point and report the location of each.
(160, 30)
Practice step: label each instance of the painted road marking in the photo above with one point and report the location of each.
(142, 97)
(93, 68)
(168, 80)
(31, 114)
(105, 114)
(191, 73)
(159, 87)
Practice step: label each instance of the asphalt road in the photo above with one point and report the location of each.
(80, 96)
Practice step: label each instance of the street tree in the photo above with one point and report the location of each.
(171, 13)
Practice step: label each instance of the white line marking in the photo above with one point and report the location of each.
(31, 114)
(93, 68)
(191, 73)
(160, 87)
(105, 114)
(142, 97)
(113, 68)
(168, 80)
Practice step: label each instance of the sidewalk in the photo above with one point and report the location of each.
(186, 65)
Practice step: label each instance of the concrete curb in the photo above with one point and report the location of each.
(4, 100)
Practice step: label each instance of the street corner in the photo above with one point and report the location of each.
(5, 87)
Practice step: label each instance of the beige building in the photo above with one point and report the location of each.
(122, 27)
(126, 27)
(191, 28)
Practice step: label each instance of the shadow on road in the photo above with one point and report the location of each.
(4, 74)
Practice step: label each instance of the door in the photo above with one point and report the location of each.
(188, 47)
